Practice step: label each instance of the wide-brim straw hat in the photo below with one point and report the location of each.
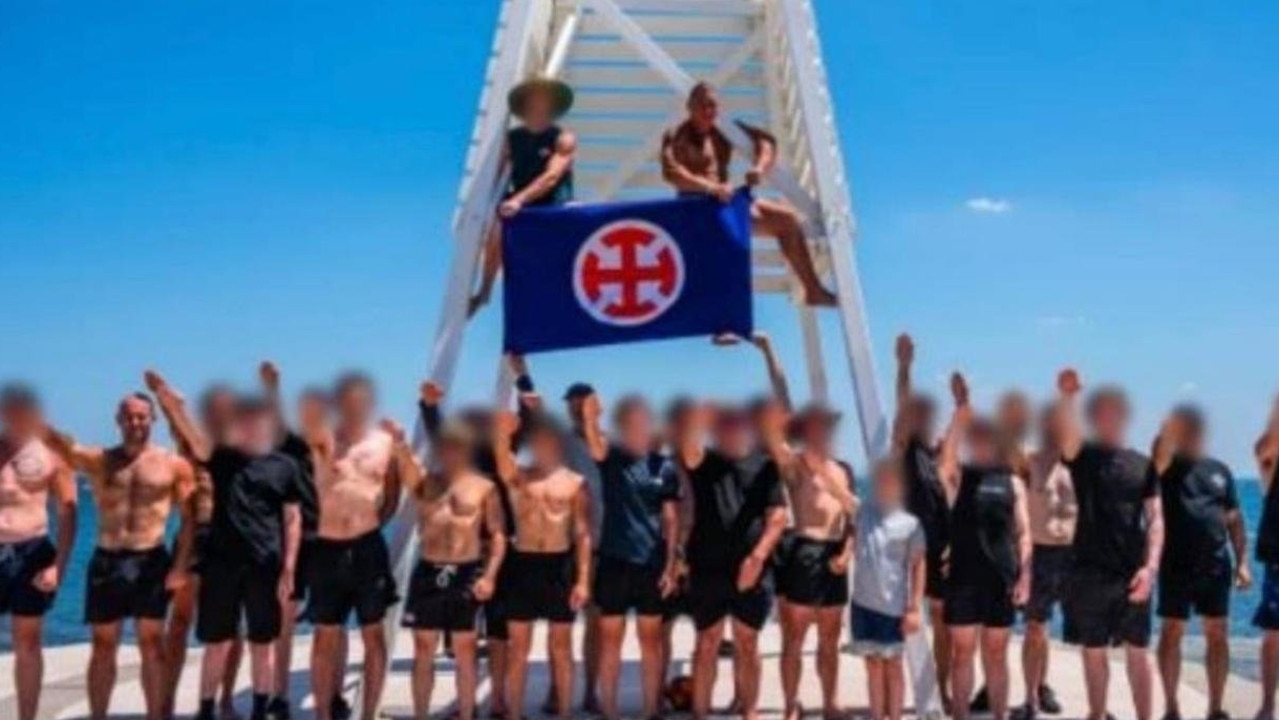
(561, 94)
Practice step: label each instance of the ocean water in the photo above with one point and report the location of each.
(64, 623)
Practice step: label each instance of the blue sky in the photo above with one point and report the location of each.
(198, 185)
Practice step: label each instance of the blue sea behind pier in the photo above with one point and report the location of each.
(64, 624)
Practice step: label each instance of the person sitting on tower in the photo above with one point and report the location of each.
(539, 153)
(695, 158)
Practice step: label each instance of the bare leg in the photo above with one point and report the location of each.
(339, 667)
(1269, 673)
(963, 648)
(517, 647)
(1034, 661)
(181, 616)
(941, 653)
(746, 668)
(230, 675)
(374, 668)
(705, 664)
(612, 629)
(895, 675)
(262, 667)
(560, 649)
(102, 668)
(154, 677)
(324, 651)
(1218, 660)
(464, 659)
(1169, 653)
(28, 664)
(424, 644)
(1096, 680)
(994, 664)
(497, 676)
(591, 660)
(649, 628)
(284, 649)
(830, 625)
(491, 265)
(875, 688)
(795, 621)
(213, 668)
(782, 222)
(1139, 680)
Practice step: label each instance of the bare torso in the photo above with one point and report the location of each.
(1050, 502)
(26, 473)
(821, 498)
(544, 509)
(352, 486)
(451, 518)
(134, 497)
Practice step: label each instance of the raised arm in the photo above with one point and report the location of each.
(84, 458)
(773, 431)
(556, 167)
(905, 359)
(186, 430)
(596, 440)
(269, 377)
(948, 464)
(1165, 445)
(429, 398)
(765, 146)
(1070, 435)
(505, 425)
(776, 372)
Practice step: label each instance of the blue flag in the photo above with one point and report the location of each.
(586, 275)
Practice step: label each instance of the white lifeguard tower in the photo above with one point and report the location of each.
(631, 63)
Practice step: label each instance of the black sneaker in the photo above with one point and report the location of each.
(278, 709)
(1048, 702)
(1025, 712)
(340, 709)
(1219, 715)
(981, 702)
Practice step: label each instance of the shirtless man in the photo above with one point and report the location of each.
(251, 554)
(31, 567)
(696, 156)
(539, 154)
(1050, 502)
(136, 485)
(463, 542)
(549, 567)
(354, 468)
(217, 411)
(813, 576)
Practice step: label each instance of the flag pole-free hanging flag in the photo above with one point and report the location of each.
(586, 275)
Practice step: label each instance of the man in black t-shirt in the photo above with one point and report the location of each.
(1117, 546)
(1267, 617)
(1201, 512)
(914, 428)
(247, 570)
(739, 514)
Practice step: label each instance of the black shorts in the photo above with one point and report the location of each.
(127, 584)
(935, 575)
(350, 577)
(622, 587)
(199, 547)
(1049, 580)
(805, 577)
(713, 596)
(985, 601)
(1098, 613)
(440, 597)
(1205, 591)
(538, 586)
(232, 588)
(20, 562)
(303, 571)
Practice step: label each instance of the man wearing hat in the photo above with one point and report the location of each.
(539, 154)
(812, 576)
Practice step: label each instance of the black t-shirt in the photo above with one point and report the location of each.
(1197, 496)
(984, 526)
(1111, 487)
(308, 499)
(731, 498)
(634, 489)
(249, 495)
(926, 496)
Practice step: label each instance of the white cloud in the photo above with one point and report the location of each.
(989, 205)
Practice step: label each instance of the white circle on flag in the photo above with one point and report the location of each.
(628, 273)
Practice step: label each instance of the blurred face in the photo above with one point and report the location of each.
(923, 417)
(817, 434)
(255, 431)
(888, 485)
(703, 109)
(454, 457)
(1109, 419)
(574, 406)
(479, 421)
(134, 418)
(355, 405)
(1014, 417)
(733, 434)
(544, 448)
(218, 412)
(21, 420)
(539, 108)
(983, 446)
(1191, 435)
(635, 428)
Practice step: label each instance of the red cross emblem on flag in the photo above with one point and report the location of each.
(628, 273)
